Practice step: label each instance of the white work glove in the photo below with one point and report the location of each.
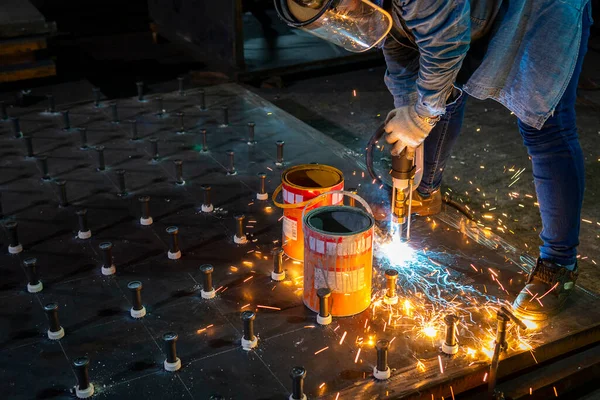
(405, 129)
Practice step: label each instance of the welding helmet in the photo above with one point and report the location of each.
(355, 25)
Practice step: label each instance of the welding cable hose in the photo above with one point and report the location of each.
(369, 161)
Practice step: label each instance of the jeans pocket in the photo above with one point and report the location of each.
(455, 98)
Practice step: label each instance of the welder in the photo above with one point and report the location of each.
(527, 55)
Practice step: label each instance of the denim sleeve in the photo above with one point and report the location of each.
(442, 31)
(402, 71)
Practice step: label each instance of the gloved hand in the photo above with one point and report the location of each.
(405, 129)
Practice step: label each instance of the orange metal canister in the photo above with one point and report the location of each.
(338, 254)
(299, 185)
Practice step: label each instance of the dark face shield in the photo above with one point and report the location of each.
(355, 25)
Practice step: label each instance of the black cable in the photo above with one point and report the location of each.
(369, 161)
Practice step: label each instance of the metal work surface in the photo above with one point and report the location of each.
(450, 266)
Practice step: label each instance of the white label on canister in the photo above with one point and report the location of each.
(340, 281)
(290, 228)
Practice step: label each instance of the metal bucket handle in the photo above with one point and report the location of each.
(342, 192)
(291, 205)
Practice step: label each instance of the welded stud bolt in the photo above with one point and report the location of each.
(84, 230)
(249, 340)
(204, 141)
(174, 251)
(66, 120)
(154, 148)
(34, 285)
(262, 191)
(140, 90)
(298, 374)
(96, 92)
(231, 170)
(108, 265)
(62, 193)
(43, 163)
(179, 172)
(180, 82)
(84, 388)
(16, 126)
(28, 145)
(100, 150)
(121, 182)
(207, 292)
(391, 276)
(202, 100)
(55, 331)
(324, 316)
(225, 116)
(207, 204)
(3, 113)
(382, 371)
(240, 237)
(159, 106)
(279, 161)
(115, 113)
(450, 345)
(134, 131)
(172, 363)
(14, 247)
(251, 140)
(138, 310)
(278, 274)
(145, 219)
(181, 123)
(51, 104)
(83, 138)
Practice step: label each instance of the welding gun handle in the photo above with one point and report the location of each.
(512, 317)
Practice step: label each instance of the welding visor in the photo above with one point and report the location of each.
(355, 25)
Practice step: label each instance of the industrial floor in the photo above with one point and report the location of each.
(346, 106)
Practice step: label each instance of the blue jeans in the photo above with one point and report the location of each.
(556, 158)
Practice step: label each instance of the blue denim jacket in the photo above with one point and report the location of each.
(524, 52)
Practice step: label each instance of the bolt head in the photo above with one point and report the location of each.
(81, 361)
(239, 217)
(230, 152)
(120, 172)
(450, 319)
(11, 225)
(248, 316)
(171, 230)
(144, 199)
(178, 162)
(30, 262)
(81, 212)
(205, 187)
(298, 373)
(382, 344)
(105, 246)
(61, 182)
(170, 337)
(153, 140)
(251, 124)
(134, 285)
(391, 273)
(280, 143)
(51, 307)
(207, 269)
(323, 293)
(99, 148)
(262, 175)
